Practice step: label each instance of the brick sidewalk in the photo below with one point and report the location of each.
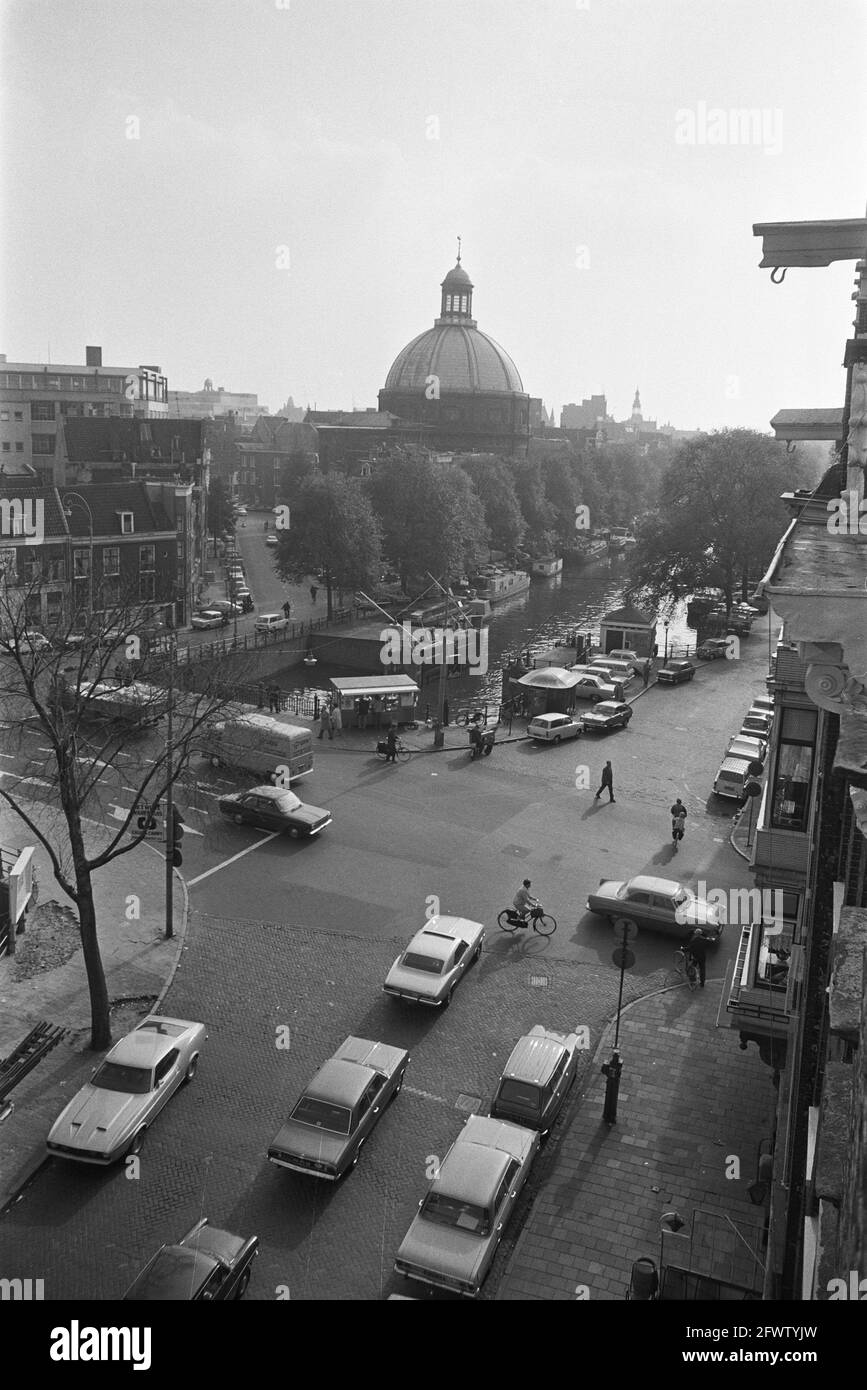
(689, 1101)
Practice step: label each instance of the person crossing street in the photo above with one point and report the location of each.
(607, 781)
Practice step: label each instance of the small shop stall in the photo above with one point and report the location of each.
(374, 702)
(549, 691)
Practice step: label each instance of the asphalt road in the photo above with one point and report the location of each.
(300, 935)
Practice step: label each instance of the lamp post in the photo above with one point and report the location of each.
(665, 625)
(70, 497)
(170, 800)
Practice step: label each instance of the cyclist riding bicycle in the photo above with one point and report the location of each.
(523, 901)
(678, 821)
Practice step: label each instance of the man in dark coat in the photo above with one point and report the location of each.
(697, 947)
(607, 781)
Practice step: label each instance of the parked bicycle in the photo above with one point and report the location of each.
(541, 921)
(686, 967)
(403, 753)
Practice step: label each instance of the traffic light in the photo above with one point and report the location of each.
(177, 857)
(177, 826)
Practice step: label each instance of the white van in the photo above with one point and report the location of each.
(732, 778)
(262, 745)
(621, 671)
(627, 654)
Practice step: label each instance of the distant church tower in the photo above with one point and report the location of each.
(636, 409)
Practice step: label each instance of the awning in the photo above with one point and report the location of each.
(551, 678)
(374, 685)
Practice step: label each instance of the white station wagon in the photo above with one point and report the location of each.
(553, 728)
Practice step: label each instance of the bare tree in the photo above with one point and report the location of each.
(91, 687)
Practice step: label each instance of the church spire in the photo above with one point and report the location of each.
(636, 406)
(456, 303)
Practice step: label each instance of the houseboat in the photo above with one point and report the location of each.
(496, 583)
(621, 538)
(546, 566)
(587, 551)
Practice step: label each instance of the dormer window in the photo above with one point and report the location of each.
(127, 523)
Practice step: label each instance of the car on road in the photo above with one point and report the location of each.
(763, 704)
(26, 643)
(274, 808)
(733, 777)
(271, 622)
(209, 617)
(590, 686)
(627, 654)
(742, 746)
(453, 1239)
(272, 541)
(659, 904)
(339, 1110)
(225, 605)
(435, 960)
(553, 728)
(109, 1116)
(756, 724)
(607, 715)
(536, 1078)
(244, 597)
(613, 670)
(207, 1264)
(675, 673)
(713, 648)
(239, 511)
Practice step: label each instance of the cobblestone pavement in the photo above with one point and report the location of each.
(206, 1154)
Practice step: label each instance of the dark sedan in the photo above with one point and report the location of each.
(675, 673)
(205, 1265)
(607, 715)
(274, 808)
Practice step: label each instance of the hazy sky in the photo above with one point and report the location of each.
(357, 138)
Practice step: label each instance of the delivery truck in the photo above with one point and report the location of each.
(132, 706)
(256, 743)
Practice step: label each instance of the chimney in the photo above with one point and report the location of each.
(93, 356)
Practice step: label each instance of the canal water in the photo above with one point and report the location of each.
(533, 621)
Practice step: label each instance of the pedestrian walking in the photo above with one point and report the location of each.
(362, 705)
(697, 947)
(336, 719)
(645, 672)
(287, 609)
(325, 721)
(273, 699)
(313, 592)
(607, 781)
(678, 820)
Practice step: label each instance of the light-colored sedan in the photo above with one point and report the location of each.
(607, 715)
(553, 728)
(209, 617)
(593, 687)
(339, 1110)
(660, 904)
(109, 1116)
(743, 746)
(435, 960)
(453, 1239)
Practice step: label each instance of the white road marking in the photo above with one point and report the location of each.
(27, 781)
(118, 812)
(10, 756)
(425, 1095)
(191, 882)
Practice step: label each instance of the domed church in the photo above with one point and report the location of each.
(458, 382)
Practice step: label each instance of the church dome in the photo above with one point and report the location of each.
(454, 350)
(462, 357)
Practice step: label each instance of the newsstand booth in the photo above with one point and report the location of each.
(393, 699)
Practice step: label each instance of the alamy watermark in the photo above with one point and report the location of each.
(761, 127)
(739, 906)
(423, 646)
(23, 518)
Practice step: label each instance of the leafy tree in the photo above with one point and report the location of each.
(65, 690)
(719, 516)
(299, 466)
(494, 483)
(432, 518)
(537, 510)
(334, 532)
(561, 494)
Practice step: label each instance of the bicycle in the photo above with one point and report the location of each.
(403, 753)
(685, 967)
(542, 922)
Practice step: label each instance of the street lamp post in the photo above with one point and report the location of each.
(665, 625)
(69, 497)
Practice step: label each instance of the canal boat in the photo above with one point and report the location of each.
(496, 583)
(546, 566)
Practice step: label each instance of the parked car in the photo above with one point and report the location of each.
(244, 597)
(553, 728)
(227, 606)
(452, 1241)
(271, 622)
(660, 904)
(613, 670)
(607, 715)
(26, 643)
(763, 704)
(274, 808)
(713, 648)
(339, 1110)
(757, 724)
(209, 617)
(536, 1079)
(732, 777)
(593, 687)
(272, 541)
(435, 960)
(206, 1265)
(239, 511)
(109, 1116)
(627, 654)
(675, 673)
(742, 746)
